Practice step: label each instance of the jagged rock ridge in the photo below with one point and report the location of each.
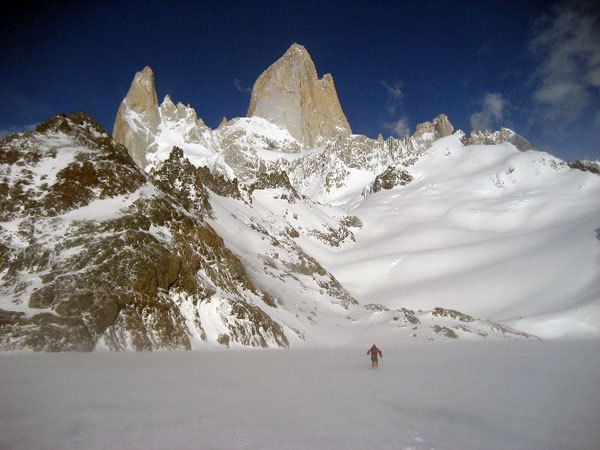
(290, 110)
(140, 119)
(487, 137)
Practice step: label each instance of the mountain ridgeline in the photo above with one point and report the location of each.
(172, 235)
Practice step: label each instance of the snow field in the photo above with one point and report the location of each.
(492, 395)
(487, 230)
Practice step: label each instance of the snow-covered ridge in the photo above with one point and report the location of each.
(280, 134)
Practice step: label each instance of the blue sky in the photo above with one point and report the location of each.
(531, 66)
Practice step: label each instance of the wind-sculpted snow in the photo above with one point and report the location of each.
(486, 230)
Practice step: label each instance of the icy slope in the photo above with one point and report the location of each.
(487, 230)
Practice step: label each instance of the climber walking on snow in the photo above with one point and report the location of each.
(374, 351)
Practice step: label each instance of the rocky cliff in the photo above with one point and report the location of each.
(137, 118)
(290, 94)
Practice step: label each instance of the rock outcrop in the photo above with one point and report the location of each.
(183, 120)
(488, 137)
(438, 128)
(290, 94)
(138, 117)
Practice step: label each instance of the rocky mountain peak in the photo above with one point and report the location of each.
(138, 116)
(172, 112)
(142, 94)
(299, 53)
(428, 132)
(438, 128)
(290, 94)
(442, 125)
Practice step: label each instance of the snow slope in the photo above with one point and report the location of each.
(488, 230)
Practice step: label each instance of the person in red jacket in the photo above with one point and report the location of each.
(374, 351)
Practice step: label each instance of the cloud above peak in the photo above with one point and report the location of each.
(493, 111)
(568, 46)
(399, 127)
(394, 96)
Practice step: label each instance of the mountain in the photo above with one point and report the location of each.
(290, 94)
(97, 255)
(138, 117)
(171, 235)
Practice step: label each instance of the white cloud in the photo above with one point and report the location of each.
(238, 85)
(400, 127)
(568, 45)
(394, 93)
(492, 113)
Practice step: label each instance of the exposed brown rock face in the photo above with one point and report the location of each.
(443, 127)
(138, 117)
(438, 128)
(290, 94)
